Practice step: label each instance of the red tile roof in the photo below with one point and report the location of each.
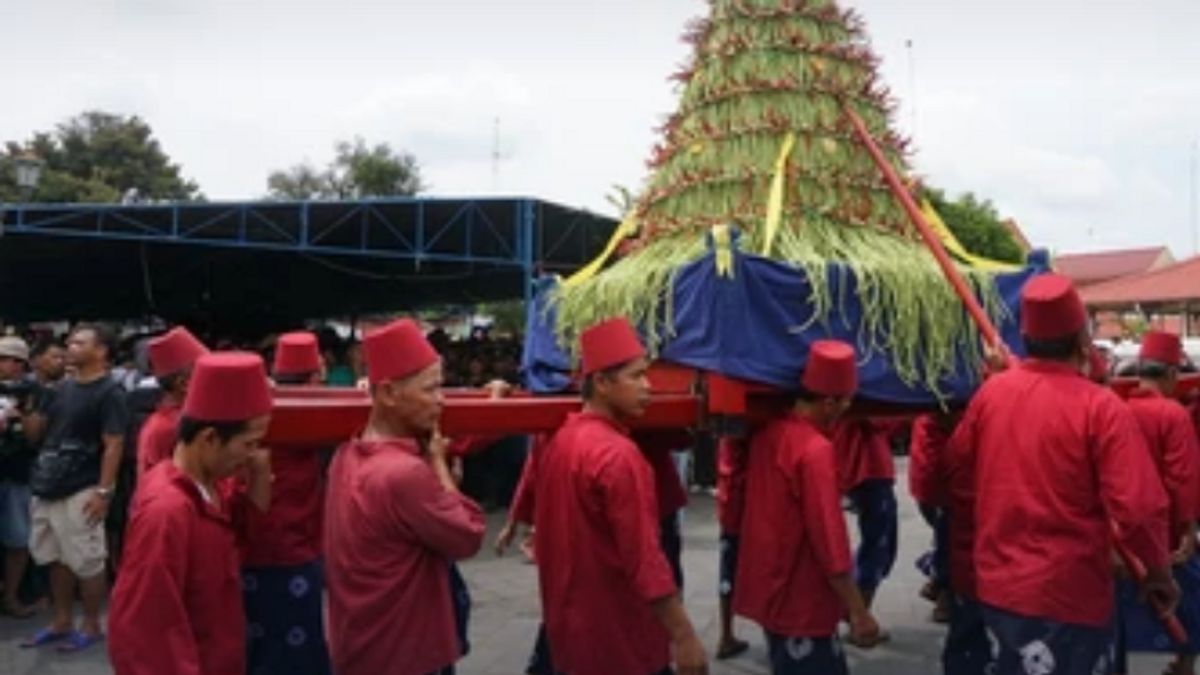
(1091, 268)
(1178, 282)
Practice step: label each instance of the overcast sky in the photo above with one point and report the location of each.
(1076, 117)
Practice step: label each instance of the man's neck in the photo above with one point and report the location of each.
(189, 463)
(380, 428)
(92, 373)
(809, 412)
(600, 409)
(1159, 387)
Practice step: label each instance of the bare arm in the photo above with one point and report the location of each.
(690, 658)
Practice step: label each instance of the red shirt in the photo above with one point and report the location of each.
(521, 508)
(1055, 457)
(731, 484)
(926, 450)
(391, 531)
(158, 437)
(1171, 437)
(793, 532)
(863, 453)
(177, 605)
(289, 533)
(599, 560)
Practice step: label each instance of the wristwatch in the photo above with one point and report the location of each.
(104, 493)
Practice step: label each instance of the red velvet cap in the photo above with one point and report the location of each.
(297, 354)
(174, 351)
(396, 351)
(1160, 347)
(228, 387)
(1051, 308)
(832, 369)
(609, 343)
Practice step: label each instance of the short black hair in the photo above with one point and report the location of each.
(190, 428)
(1154, 370)
(169, 382)
(588, 388)
(292, 379)
(42, 346)
(1057, 349)
(106, 336)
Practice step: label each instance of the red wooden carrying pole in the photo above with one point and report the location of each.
(986, 328)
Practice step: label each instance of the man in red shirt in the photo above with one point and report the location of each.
(608, 595)
(282, 583)
(395, 520)
(1056, 461)
(177, 605)
(867, 474)
(731, 503)
(927, 449)
(172, 356)
(1169, 434)
(794, 572)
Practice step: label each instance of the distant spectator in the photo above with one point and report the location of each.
(49, 361)
(73, 479)
(18, 400)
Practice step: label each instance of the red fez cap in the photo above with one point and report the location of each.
(396, 351)
(609, 343)
(228, 387)
(1097, 366)
(1160, 347)
(297, 354)
(1051, 308)
(174, 351)
(831, 370)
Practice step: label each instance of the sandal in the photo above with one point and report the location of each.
(45, 636)
(732, 649)
(79, 641)
(18, 611)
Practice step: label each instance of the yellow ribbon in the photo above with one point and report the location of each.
(626, 229)
(956, 248)
(775, 200)
(722, 237)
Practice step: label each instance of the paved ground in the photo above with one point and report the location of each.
(506, 613)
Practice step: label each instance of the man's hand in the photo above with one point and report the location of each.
(497, 389)
(996, 357)
(1187, 547)
(1160, 591)
(439, 447)
(690, 658)
(864, 630)
(96, 509)
(506, 536)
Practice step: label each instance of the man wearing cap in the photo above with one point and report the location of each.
(609, 598)
(177, 605)
(281, 572)
(1057, 462)
(395, 520)
(731, 504)
(867, 476)
(794, 572)
(1169, 434)
(19, 399)
(172, 356)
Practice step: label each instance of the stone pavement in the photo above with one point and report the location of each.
(505, 616)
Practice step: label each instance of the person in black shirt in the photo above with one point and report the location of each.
(73, 479)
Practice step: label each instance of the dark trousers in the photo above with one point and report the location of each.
(878, 525)
(967, 650)
(806, 656)
(1031, 646)
(285, 620)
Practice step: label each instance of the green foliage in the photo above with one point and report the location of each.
(357, 171)
(977, 225)
(98, 157)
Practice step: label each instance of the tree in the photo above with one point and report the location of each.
(357, 171)
(977, 225)
(99, 157)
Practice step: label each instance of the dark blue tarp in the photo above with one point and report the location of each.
(757, 326)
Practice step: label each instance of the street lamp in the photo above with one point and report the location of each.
(29, 173)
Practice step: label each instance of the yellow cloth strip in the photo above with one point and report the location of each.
(626, 229)
(775, 200)
(723, 250)
(955, 247)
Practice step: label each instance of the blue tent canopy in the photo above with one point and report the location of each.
(757, 325)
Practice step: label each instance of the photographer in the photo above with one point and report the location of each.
(18, 400)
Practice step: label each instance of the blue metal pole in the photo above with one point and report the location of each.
(526, 223)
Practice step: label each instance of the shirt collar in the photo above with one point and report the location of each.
(1050, 367)
(588, 416)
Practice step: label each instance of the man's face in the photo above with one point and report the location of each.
(10, 368)
(52, 363)
(627, 390)
(83, 349)
(416, 401)
(225, 459)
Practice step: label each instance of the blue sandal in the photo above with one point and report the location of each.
(78, 642)
(45, 636)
